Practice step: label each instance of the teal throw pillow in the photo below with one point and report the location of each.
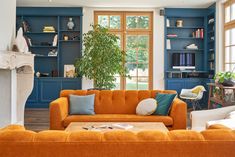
(164, 102)
(82, 105)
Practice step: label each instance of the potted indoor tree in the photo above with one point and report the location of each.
(102, 58)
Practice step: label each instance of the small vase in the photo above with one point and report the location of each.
(70, 24)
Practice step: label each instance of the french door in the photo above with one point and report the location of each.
(135, 32)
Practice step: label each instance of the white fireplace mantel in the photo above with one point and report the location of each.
(16, 84)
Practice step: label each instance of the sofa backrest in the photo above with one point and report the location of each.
(177, 143)
(116, 101)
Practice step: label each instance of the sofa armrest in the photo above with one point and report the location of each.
(13, 127)
(200, 118)
(58, 112)
(179, 114)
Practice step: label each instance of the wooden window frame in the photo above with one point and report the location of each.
(227, 26)
(123, 32)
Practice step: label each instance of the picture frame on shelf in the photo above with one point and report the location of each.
(69, 71)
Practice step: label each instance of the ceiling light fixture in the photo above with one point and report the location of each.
(49, 0)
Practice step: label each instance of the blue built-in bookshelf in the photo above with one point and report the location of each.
(211, 27)
(193, 29)
(47, 89)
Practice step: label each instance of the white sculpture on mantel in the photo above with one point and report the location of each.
(21, 43)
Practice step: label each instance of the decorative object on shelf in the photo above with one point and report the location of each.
(101, 59)
(76, 37)
(25, 26)
(54, 73)
(199, 33)
(69, 71)
(168, 44)
(44, 74)
(167, 22)
(66, 37)
(225, 78)
(49, 29)
(172, 35)
(20, 42)
(192, 47)
(45, 44)
(53, 53)
(70, 24)
(55, 40)
(179, 23)
(38, 74)
(211, 21)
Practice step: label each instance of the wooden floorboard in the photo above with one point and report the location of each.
(37, 119)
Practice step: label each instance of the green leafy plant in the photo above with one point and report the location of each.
(223, 76)
(102, 58)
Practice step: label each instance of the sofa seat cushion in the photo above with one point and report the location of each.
(167, 120)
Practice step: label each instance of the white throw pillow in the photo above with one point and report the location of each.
(146, 107)
(231, 115)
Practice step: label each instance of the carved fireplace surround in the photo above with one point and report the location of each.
(16, 84)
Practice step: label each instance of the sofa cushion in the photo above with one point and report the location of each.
(164, 102)
(146, 107)
(116, 101)
(167, 120)
(82, 104)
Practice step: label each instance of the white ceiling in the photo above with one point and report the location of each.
(119, 3)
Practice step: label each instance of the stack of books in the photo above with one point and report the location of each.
(48, 29)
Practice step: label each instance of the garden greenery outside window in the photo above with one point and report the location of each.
(135, 31)
(229, 27)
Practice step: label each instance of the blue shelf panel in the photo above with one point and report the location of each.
(39, 46)
(174, 27)
(184, 50)
(185, 38)
(186, 71)
(41, 33)
(69, 41)
(46, 56)
(69, 30)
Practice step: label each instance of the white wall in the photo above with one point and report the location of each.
(158, 42)
(7, 28)
(219, 35)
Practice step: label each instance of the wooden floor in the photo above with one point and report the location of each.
(38, 119)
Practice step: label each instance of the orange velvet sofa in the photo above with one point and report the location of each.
(15, 141)
(115, 106)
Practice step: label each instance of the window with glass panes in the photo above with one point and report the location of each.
(135, 32)
(229, 27)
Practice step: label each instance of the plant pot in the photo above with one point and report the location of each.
(229, 82)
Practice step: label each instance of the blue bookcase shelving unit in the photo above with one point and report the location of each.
(203, 56)
(47, 89)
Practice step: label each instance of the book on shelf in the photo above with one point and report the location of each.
(49, 29)
(172, 35)
(168, 44)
